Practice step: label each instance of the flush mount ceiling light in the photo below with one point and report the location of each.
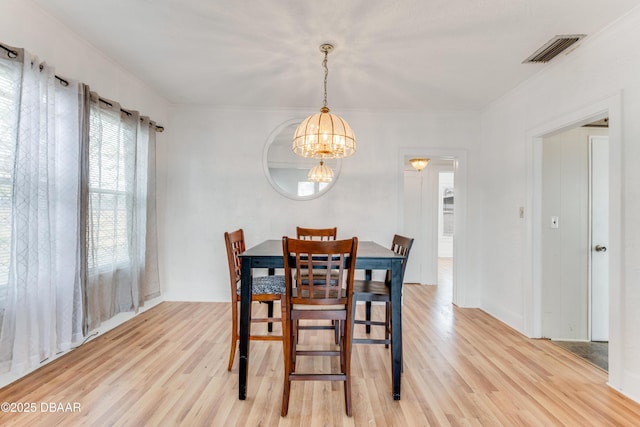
(324, 135)
(419, 163)
(320, 173)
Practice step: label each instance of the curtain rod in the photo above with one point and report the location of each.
(13, 54)
(10, 53)
(128, 113)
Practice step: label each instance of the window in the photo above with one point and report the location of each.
(9, 94)
(111, 188)
(308, 188)
(447, 212)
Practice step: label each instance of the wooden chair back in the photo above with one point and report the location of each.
(316, 233)
(402, 246)
(319, 268)
(235, 246)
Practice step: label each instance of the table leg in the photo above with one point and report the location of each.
(245, 326)
(367, 305)
(396, 325)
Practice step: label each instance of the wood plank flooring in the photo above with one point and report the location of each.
(167, 367)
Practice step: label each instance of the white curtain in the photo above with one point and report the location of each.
(121, 255)
(10, 78)
(77, 211)
(147, 162)
(43, 307)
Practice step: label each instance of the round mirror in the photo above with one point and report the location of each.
(288, 172)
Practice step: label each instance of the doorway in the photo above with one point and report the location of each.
(574, 231)
(446, 215)
(463, 288)
(610, 107)
(428, 214)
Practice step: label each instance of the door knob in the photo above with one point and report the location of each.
(600, 248)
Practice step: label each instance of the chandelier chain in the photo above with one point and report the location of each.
(326, 73)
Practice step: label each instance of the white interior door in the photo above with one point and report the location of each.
(599, 159)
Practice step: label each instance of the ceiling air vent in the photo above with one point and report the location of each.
(553, 48)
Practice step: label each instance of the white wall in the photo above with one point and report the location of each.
(215, 182)
(605, 66)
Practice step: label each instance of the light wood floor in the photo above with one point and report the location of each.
(462, 367)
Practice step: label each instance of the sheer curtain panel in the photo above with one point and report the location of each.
(42, 308)
(118, 212)
(147, 155)
(10, 77)
(78, 239)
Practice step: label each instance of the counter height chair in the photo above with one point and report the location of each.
(315, 272)
(371, 290)
(266, 289)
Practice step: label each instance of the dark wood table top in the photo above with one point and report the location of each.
(366, 249)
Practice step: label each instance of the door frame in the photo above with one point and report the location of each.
(462, 291)
(610, 107)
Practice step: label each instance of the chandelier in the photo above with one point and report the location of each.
(419, 163)
(324, 135)
(320, 173)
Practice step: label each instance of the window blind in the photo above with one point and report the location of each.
(9, 97)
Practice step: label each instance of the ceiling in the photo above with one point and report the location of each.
(432, 55)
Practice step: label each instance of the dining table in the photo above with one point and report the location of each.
(370, 256)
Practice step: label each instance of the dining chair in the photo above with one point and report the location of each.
(265, 289)
(319, 285)
(373, 291)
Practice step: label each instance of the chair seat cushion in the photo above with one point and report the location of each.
(266, 285)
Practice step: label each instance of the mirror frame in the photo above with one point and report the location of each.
(265, 165)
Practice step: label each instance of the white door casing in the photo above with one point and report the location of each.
(465, 293)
